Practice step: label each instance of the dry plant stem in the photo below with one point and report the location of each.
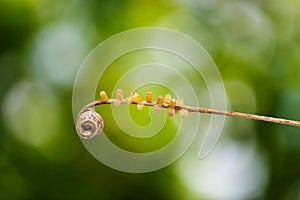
(243, 115)
(203, 110)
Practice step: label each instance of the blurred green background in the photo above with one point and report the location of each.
(256, 46)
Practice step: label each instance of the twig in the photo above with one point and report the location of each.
(201, 110)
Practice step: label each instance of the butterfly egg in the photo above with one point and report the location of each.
(156, 108)
(168, 98)
(137, 98)
(119, 94)
(179, 102)
(140, 106)
(172, 103)
(134, 98)
(89, 124)
(159, 100)
(184, 113)
(130, 98)
(103, 96)
(149, 97)
(171, 111)
(116, 102)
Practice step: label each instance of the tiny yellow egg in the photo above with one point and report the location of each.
(171, 112)
(179, 101)
(149, 97)
(134, 98)
(119, 94)
(103, 96)
(140, 106)
(160, 100)
(172, 103)
(168, 98)
(137, 98)
(116, 102)
(184, 113)
(156, 108)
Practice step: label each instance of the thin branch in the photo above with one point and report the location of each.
(201, 110)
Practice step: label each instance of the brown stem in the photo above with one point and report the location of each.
(203, 110)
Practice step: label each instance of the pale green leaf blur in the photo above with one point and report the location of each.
(255, 45)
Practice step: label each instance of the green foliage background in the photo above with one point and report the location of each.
(255, 44)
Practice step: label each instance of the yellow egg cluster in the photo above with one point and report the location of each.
(173, 106)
